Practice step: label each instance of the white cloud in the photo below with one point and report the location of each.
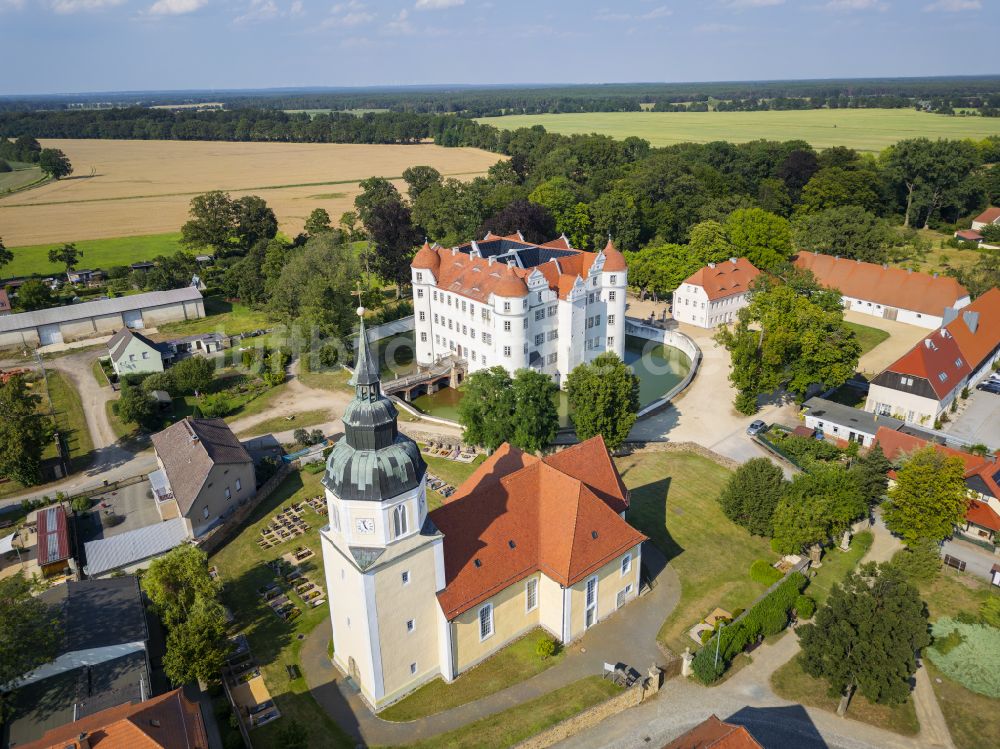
(437, 4)
(400, 24)
(347, 15)
(75, 6)
(296, 8)
(661, 11)
(953, 6)
(11, 5)
(849, 5)
(175, 7)
(259, 10)
(754, 3)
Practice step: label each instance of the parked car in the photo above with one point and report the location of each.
(989, 387)
(756, 427)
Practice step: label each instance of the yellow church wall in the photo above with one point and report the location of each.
(609, 582)
(510, 620)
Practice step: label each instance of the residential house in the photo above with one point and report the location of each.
(503, 301)
(921, 385)
(143, 267)
(170, 721)
(845, 423)
(54, 550)
(713, 295)
(98, 318)
(981, 474)
(86, 277)
(133, 353)
(713, 733)
(990, 216)
(891, 293)
(200, 343)
(5, 308)
(103, 659)
(204, 472)
(523, 543)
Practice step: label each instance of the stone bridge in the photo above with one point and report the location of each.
(448, 372)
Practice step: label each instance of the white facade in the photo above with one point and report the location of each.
(541, 329)
(692, 306)
(908, 316)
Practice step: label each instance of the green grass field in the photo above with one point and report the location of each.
(863, 129)
(23, 174)
(868, 337)
(97, 253)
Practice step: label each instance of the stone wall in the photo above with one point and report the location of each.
(215, 538)
(679, 447)
(635, 695)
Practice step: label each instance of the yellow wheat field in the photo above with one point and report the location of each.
(124, 188)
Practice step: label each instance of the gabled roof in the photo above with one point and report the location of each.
(720, 280)
(982, 515)
(976, 328)
(936, 359)
(120, 341)
(715, 734)
(989, 216)
(890, 287)
(53, 535)
(169, 721)
(518, 514)
(969, 235)
(190, 448)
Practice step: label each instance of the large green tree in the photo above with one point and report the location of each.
(603, 399)
(761, 237)
(924, 170)
(197, 645)
(535, 418)
(30, 632)
(34, 294)
(486, 410)
(213, 217)
(867, 637)
(193, 374)
(929, 497)
(849, 231)
(816, 507)
(419, 178)
(134, 406)
(835, 187)
(54, 163)
(752, 494)
(390, 227)
(176, 581)
(253, 221)
(23, 432)
(6, 256)
(788, 337)
(68, 256)
(317, 222)
(871, 471)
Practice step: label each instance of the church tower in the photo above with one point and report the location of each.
(384, 559)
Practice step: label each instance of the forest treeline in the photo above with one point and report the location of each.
(485, 101)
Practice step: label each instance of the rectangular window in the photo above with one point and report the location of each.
(435, 296)
(420, 276)
(335, 522)
(539, 314)
(472, 333)
(506, 351)
(626, 564)
(413, 668)
(420, 293)
(506, 306)
(449, 300)
(597, 320)
(539, 339)
(623, 595)
(436, 319)
(611, 319)
(552, 311)
(473, 356)
(611, 341)
(465, 330)
(485, 621)
(552, 358)
(228, 493)
(450, 326)
(614, 279)
(463, 305)
(423, 338)
(410, 625)
(145, 354)
(239, 485)
(405, 577)
(423, 316)
(531, 594)
(506, 325)
(204, 513)
(611, 296)
(525, 325)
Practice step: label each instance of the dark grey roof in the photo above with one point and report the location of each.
(50, 703)
(366, 369)
(101, 613)
(102, 307)
(120, 341)
(528, 254)
(850, 418)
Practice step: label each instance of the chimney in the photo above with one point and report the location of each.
(492, 259)
(732, 260)
(971, 320)
(454, 251)
(711, 265)
(83, 740)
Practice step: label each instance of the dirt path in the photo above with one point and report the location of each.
(901, 339)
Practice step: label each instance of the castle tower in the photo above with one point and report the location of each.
(384, 560)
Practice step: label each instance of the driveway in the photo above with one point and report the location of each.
(978, 419)
(628, 637)
(978, 560)
(902, 338)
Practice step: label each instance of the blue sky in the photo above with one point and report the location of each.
(112, 45)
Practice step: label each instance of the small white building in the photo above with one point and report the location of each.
(713, 295)
(891, 293)
(133, 353)
(504, 301)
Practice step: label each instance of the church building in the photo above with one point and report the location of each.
(525, 542)
(508, 302)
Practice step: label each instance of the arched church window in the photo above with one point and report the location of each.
(399, 520)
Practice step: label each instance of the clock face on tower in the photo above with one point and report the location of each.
(365, 525)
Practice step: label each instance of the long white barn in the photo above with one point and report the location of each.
(504, 301)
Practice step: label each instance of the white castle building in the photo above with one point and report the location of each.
(504, 301)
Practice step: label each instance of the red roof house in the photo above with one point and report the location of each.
(990, 216)
(715, 734)
(720, 280)
(53, 539)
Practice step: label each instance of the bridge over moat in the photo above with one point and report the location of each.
(448, 372)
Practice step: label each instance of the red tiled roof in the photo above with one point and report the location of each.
(715, 734)
(969, 235)
(724, 279)
(937, 354)
(518, 514)
(426, 258)
(613, 259)
(983, 315)
(890, 287)
(53, 536)
(4, 301)
(989, 216)
(982, 515)
(169, 721)
(898, 444)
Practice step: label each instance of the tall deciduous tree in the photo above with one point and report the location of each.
(6, 256)
(23, 432)
(817, 506)
(752, 494)
(848, 231)
(34, 294)
(175, 582)
(30, 632)
(603, 399)
(55, 163)
(835, 187)
(134, 406)
(213, 217)
(535, 418)
(486, 410)
(68, 256)
(318, 222)
(867, 637)
(929, 169)
(871, 471)
(197, 645)
(929, 497)
(390, 226)
(761, 237)
(253, 221)
(419, 178)
(193, 374)
(531, 219)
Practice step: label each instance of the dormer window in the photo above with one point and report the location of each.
(942, 376)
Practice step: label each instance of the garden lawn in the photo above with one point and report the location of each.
(868, 337)
(511, 726)
(336, 379)
(970, 717)
(70, 420)
(275, 644)
(794, 684)
(836, 565)
(283, 423)
(99, 374)
(229, 318)
(515, 663)
(97, 253)
(674, 503)
(951, 592)
(451, 471)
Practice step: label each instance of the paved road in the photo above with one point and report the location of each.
(977, 420)
(978, 560)
(901, 339)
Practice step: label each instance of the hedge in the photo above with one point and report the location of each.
(767, 617)
(762, 572)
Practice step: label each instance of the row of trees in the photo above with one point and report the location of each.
(603, 397)
(27, 150)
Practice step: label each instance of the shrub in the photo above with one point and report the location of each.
(216, 406)
(545, 648)
(159, 381)
(989, 612)
(746, 403)
(301, 436)
(80, 504)
(763, 573)
(193, 374)
(805, 607)
(316, 436)
(920, 562)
